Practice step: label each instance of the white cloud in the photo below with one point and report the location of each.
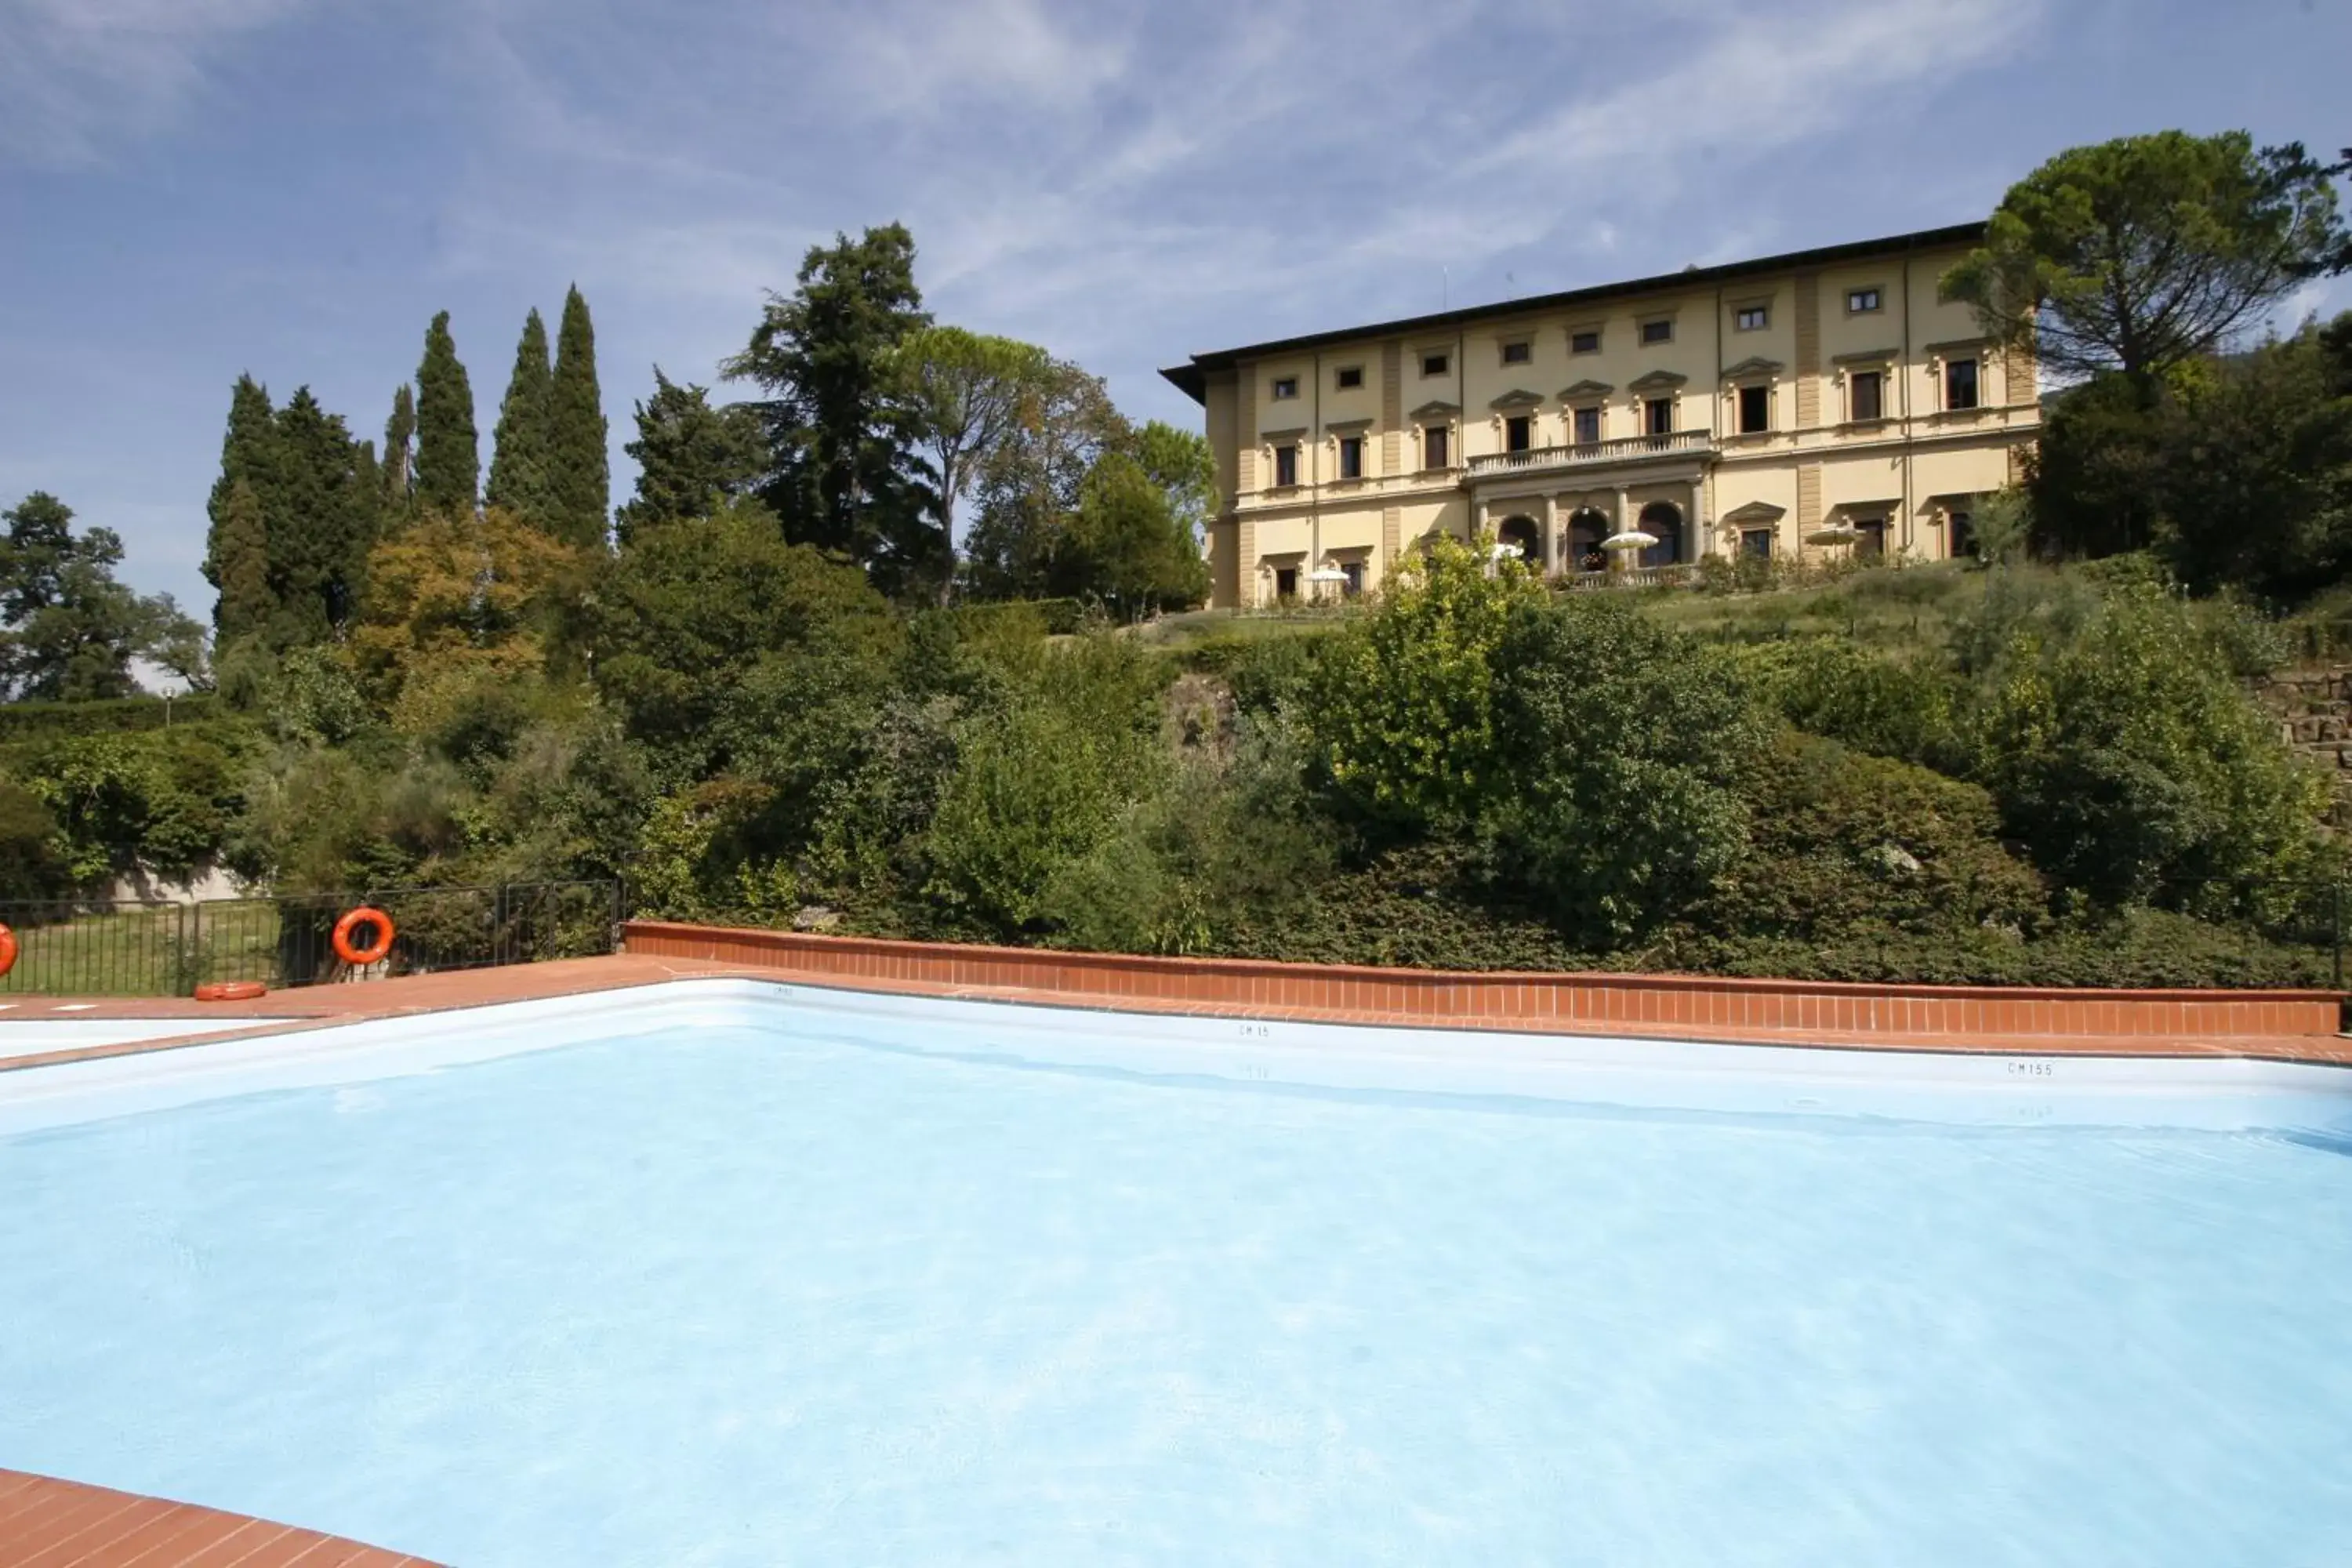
(78, 75)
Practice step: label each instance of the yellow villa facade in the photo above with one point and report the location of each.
(1791, 407)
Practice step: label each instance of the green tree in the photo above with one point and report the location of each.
(322, 526)
(691, 457)
(578, 466)
(968, 390)
(1184, 467)
(399, 467)
(681, 617)
(1403, 710)
(520, 462)
(2146, 251)
(241, 554)
(1127, 545)
(1030, 483)
(249, 456)
(70, 629)
(449, 454)
(840, 427)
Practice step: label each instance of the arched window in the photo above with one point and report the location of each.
(1663, 520)
(1521, 534)
(1586, 528)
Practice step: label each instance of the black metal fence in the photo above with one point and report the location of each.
(101, 947)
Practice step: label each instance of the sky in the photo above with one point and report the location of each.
(192, 189)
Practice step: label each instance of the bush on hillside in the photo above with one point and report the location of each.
(1613, 800)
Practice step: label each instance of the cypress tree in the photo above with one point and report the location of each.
(400, 457)
(248, 454)
(518, 467)
(319, 543)
(241, 549)
(579, 472)
(448, 454)
(690, 456)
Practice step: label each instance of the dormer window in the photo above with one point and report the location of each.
(1285, 387)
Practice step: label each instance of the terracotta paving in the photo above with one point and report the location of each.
(48, 1523)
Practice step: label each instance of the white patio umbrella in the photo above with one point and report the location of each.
(1631, 539)
(1834, 533)
(1327, 575)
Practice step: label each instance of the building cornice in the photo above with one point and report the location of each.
(1191, 378)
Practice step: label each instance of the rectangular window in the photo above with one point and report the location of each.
(1755, 409)
(1960, 384)
(1659, 416)
(1658, 332)
(1285, 386)
(1518, 353)
(1964, 535)
(1517, 430)
(1286, 466)
(1861, 302)
(1434, 453)
(1753, 318)
(1872, 542)
(1862, 389)
(1587, 426)
(1351, 457)
(1286, 582)
(1350, 377)
(1437, 365)
(1354, 572)
(1756, 544)
(1586, 341)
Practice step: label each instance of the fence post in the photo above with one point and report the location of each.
(2336, 927)
(183, 957)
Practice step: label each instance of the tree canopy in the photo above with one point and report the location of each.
(691, 457)
(449, 453)
(2143, 252)
(69, 631)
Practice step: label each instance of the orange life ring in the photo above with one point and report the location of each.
(7, 949)
(361, 957)
(231, 990)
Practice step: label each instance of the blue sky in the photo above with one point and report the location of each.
(194, 188)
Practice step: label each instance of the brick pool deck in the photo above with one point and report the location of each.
(46, 1523)
(53, 1522)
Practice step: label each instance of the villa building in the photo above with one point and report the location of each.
(1827, 400)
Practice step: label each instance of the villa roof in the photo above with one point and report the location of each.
(1192, 377)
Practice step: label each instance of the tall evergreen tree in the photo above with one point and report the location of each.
(241, 548)
(320, 539)
(248, 454)
(690, 456)
(579, 467)
(400, 457)
(518, 467)
(841, 429)
(449, 453)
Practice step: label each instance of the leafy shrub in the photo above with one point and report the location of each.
(1830, 687)
(1403, 708)
(162, 800)
(32, 864)
(1613, 803)
(52, 721)
(2126, 755)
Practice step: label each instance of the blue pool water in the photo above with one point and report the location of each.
(739, 1295)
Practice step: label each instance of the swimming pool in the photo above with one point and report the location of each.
(728, 1273)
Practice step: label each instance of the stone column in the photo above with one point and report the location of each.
(1697, 526)
(1551, 536)
(1623, 560)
